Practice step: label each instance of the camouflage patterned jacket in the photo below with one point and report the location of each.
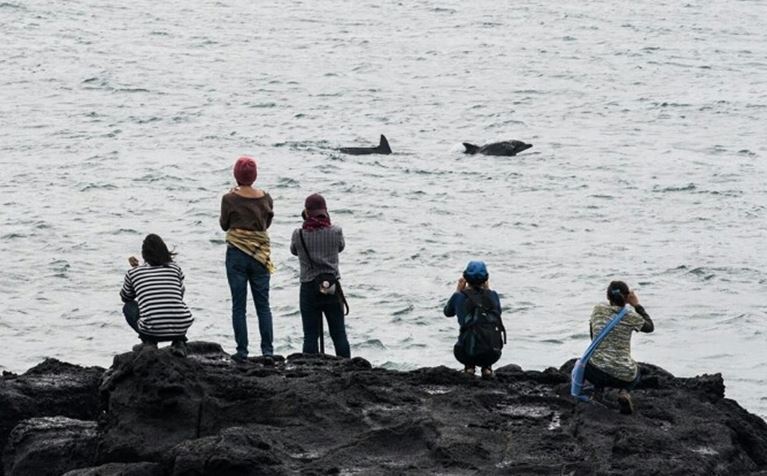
(613, 355)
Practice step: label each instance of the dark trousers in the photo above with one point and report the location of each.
(313, 305)
(241, 269)
(601, 379)
(131, 313)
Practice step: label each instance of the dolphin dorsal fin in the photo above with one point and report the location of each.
(383, 145)
(470, 148)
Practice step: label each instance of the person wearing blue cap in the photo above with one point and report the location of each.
(478, 310)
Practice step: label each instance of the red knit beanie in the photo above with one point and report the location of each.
(245, 171)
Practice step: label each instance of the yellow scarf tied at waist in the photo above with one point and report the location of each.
(255, 244)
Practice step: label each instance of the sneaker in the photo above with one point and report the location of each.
(145, 345)
(239, 358)
(624, 401)
(470, 370)
(487, 373)
(178, 348)
(268, 360)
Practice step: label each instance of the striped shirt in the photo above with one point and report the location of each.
(159, 291)
(324, 245)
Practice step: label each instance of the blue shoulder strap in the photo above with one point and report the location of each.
(579, 370)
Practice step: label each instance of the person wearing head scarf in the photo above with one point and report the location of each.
(473, 289)
(246, 214)
(317, 244)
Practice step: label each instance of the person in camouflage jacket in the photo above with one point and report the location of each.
(611, 365)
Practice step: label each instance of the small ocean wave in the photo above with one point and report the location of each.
(370, 344)
(400, 366)
(144, 120)
(675, 188)
(723, 273)
(14, 236)
(722, 356)
(410, 343)
(97, 186)
(286, 182)
(579, 336)
(552, 341)
(262, 105)
(404, 311)
(97, 83)
(131, 90)
(306, 146)
(156, 177)
(127, 231)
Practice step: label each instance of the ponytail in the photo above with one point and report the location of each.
(617, 293)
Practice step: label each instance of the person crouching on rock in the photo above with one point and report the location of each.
(317, 244)
(153, 295)
(611, 364)
(478, 310)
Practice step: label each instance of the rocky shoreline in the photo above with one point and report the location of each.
(153, 413)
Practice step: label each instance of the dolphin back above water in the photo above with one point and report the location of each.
(383, 148)
(507, 147)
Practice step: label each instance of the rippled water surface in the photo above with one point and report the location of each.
(648, 120)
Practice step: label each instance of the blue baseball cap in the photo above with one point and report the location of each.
(475, 271)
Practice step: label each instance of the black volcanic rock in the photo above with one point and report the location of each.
(50, 446)
(51, 388)
(120, 469)
(309, 414)
(152, 402)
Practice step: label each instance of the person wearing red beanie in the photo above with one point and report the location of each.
(246, 214)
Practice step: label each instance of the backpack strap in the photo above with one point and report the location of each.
(474, 299)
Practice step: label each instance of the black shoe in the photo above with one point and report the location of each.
(268, 360)
(624, 401)
(178, 348)
(239, 358)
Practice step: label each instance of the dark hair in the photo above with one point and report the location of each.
(617, 292)
(155, 252)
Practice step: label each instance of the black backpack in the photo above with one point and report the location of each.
(482, 336)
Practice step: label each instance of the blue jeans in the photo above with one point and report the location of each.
(313, 304)
(241, 269)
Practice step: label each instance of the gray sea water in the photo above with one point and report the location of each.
(647, 119)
